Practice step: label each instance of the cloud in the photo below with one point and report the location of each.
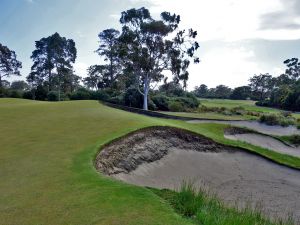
(29, 1)
(287, 18)
(226, 65)
(80, 68)
(234, 20)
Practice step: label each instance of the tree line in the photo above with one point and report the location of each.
(135, 57)
(280, 92)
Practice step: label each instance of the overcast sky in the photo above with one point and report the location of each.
(238, 38)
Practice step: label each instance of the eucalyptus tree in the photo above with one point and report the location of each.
(262, 85)
(293, 70)
(9, 65)
(109, 49)
(149, 47)
(52, 54)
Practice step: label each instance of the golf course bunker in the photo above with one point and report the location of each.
(164, 157)
(255, 125)
(262, 141)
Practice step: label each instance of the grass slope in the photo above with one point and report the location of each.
(46, 170)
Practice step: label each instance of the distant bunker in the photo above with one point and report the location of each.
(164, 157)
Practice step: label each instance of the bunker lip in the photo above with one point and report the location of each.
(163, 157)
(150, 144)
(261, 140)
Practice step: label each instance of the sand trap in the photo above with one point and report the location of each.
(265, 142)
(164, 157)
(254, 125)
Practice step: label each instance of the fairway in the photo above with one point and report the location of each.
(47, 173)
(46, 170)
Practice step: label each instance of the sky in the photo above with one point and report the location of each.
(238, 38)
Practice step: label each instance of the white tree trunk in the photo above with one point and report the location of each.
(146, 90)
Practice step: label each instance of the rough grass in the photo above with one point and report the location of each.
(248, 105)
(46, 165)
(204, 209)
(208, 115)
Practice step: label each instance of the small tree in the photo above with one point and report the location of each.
(9, 65)
(149, 47)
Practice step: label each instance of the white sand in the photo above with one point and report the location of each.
(237, 178)
(266, 142)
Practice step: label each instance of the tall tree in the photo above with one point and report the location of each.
(52, 54)
(262, 85)
(108, 48)
(9, 65)
(150, 46)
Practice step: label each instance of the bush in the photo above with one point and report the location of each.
(52, 96)
(151, 105)
(15, 94)
(187, 102)
(133, 98)
(276, 119)
(119, 100)
(81, 94)
(28, 95)
(161, 102)
(175, 106)
(264, 103)
(101, 95)
(3, 92)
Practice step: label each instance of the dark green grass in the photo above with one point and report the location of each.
(46, 165)
(204, 209)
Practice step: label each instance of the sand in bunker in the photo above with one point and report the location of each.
(237, 177)
(265, 142)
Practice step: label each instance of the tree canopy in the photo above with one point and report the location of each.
(9, 65)
(52, 54)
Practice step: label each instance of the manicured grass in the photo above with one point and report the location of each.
(46, 165)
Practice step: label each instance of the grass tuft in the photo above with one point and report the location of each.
(204, 209)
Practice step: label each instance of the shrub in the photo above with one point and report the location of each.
(276, 119)
(161, 102)
(286, 113)
(295, 139)
(28, 95)
(133, 98)
(264, 103)
(269, 119)
(119, 100)
(176, 106)
(15, 94)
(81, 94)
(3, 92)
(151, 105)
(52, 96)
(99, 95)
